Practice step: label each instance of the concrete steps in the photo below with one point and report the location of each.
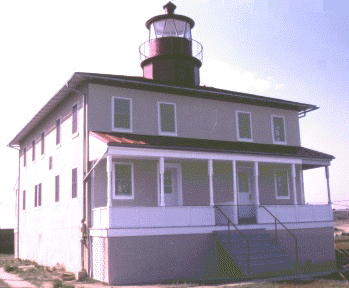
(266, 255)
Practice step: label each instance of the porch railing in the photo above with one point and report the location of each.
(230, 223)
(276, 222)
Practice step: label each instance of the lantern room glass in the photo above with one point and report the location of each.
(170, 27)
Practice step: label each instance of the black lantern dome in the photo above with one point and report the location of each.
(171, 55)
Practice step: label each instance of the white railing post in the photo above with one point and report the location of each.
(162, 183)
(109, 187)
(235, 207)
(210, 175)
(328, 184)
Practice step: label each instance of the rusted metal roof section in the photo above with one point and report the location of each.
(109, 138)
(190, 144)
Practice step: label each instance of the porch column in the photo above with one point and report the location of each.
(235, 175)
(328, 184)
(110, 180)
(162, 183)
(256, 177)
(293, 174)
(210, 175)
(109, 187)
(302, 185)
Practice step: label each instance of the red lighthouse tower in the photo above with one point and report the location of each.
(171, 55)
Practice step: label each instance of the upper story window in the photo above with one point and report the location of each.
(75, 119)
(278, 124)
(57, 188)
(50, 163)
(58, 131)
(42, 143)
(23, 200)
(167, 119)
(74, 187)
(244, 126)
(37, 195)
(33, 150)
(24, 156)
(123, 181)
(281, 184)
(122, 114)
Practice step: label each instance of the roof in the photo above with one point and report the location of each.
(139, 83)
(165, 142)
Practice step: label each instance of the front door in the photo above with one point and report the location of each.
(172, 185)
(246, 206)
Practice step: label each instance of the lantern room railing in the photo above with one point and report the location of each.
(170, 46)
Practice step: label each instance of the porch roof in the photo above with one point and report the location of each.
(205, 145)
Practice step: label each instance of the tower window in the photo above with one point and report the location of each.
(58, 131)
(24, 156)
(75, 119)
(74, 188)
(42, 143)
(57, 188)
(23, 200)
(33, 150)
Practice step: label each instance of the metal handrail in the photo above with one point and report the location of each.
(242, 235)
(276, 233)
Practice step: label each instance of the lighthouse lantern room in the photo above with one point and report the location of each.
(171, 55)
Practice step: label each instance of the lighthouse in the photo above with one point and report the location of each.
(171, 55)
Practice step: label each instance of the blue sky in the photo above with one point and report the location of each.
(290, 49)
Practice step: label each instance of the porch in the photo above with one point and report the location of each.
(137, 187)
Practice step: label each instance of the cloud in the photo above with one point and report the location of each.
(221, 75)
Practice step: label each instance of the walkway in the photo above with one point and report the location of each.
(14, 281)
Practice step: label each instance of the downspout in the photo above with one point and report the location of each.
(18, 198)
(85, 210)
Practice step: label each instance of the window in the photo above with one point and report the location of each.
(278, 124)
(37, 195)
(75, 119)
(123, 181)
(122, 111)
(57, 188)
(167, 119)
(244, 126)
(50, 163)
(58, 131)
(74, 187)
(281, 184)
(42, 143)
(33, 150)
(23, 200)
(25, 157)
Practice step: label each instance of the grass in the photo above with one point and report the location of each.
(341, 242)
(3, 284)
(299, 283)
(37, 276)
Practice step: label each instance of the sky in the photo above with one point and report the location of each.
(296, 50)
